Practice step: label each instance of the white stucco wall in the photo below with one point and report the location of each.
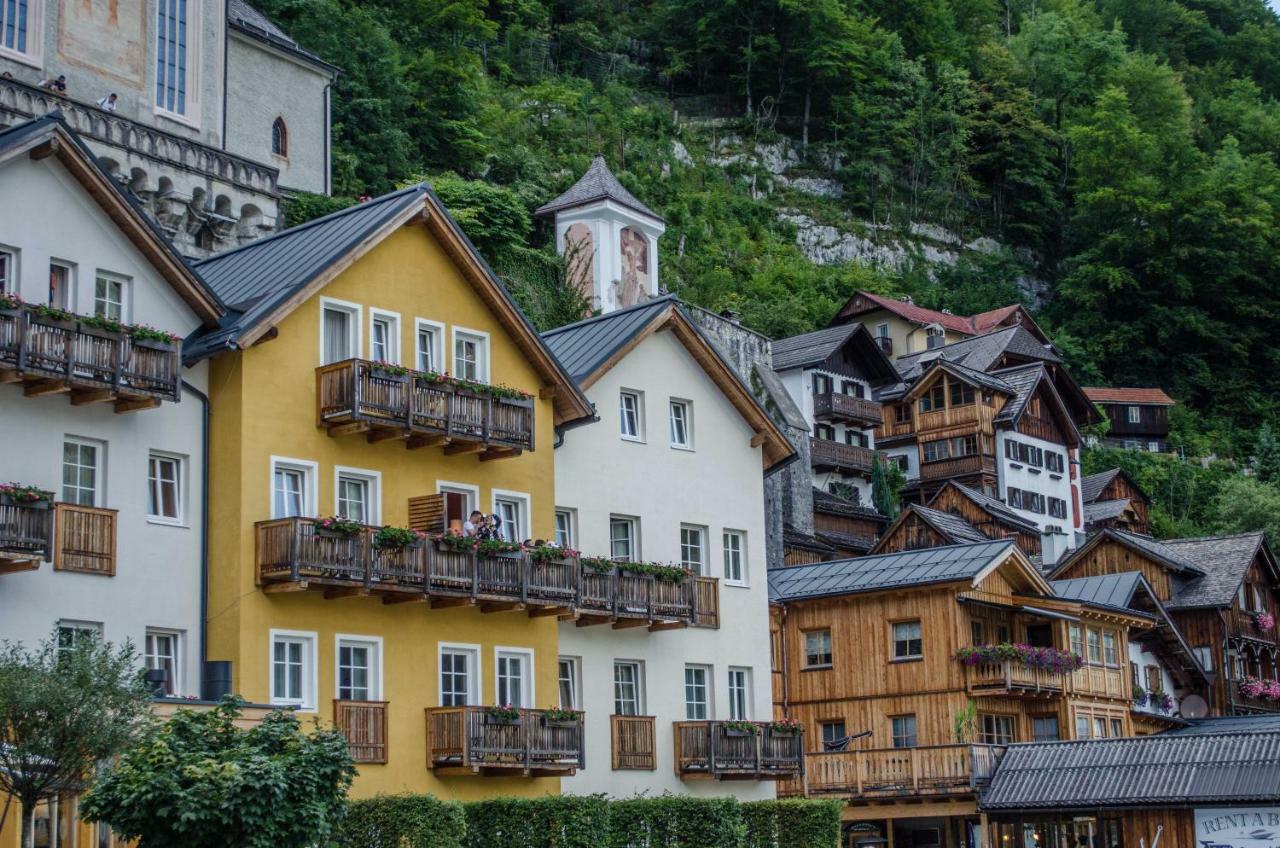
(1145, 658)
(606, 220)
(717, 485)
(1024, 477)
(799, 384)
(157, 580)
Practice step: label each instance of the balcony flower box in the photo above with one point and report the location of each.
(389, 371)
(102, 328)
(785, 727)
(1052, 660)
(505, 715)
(1264, 622)
(553, 717)
(740, 728)
(398, 538)
(149, 338)
(20, 494)
(51, 316)
(337, 527)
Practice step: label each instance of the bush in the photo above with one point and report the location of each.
(566, 821)
(403, 821)
(791, 824)
(676, 822)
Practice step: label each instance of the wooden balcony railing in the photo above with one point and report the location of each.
(945, 469)
(84, 539)
(364, 723)
(50, 357)
(466, 740)
(1015, 678)
(26, 534)
(1240, 624)
(626, 599)
(893, 772)
(355, 396)
(828, 455)
(712, 749)
(834, 406)
(1099, 680)
(633, 743)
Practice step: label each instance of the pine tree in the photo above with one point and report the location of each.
(1266, 456)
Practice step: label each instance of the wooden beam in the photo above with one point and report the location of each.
(385, 434)
(45, 150)
(757, 440)
(548, 392)
(415, 442)
(666, 625)
(40, 388)
(403, 598)
(345, 592)
(13, 566)
(498, 453)
(588, 620)
(274, 332)
(349, 429)
(9, 376)
(464, 448)
(547, 612)
(624, 623)
(444, 603)
(84, 397)
(123, 406)
(283, 588)
(500, 606)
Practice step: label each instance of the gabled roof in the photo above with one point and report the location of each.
(51, 136)
(1092, 485)
(1228, 724)
(997, 508)
(812, 349)
(265, 280)
(1104, 510)
(1114, 591)
(1223, 560)
(947, 564)
(824, 501)
(953, 529)
(247, 19)
(598, 183)
(591, 347)
(981, 352)
(968, 375)
(1137, 396)
(1026, 380)
(903, 309)
(1160, 553)
(1167, 769)
(845, 541)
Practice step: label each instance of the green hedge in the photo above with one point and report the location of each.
(672, 821)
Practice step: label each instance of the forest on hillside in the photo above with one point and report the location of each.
(1123, 151)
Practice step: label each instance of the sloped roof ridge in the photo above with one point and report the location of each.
(635, 307)
(596, 183)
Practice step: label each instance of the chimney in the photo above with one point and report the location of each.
(1054, 545)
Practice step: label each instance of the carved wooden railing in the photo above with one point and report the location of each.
(825, 453)
(892, 772)
(946, 468)
(633, 743)
(718, 749)
(469, 738)
(620, 595)
(842, 407)
(1012, 676)
(84, 539)
(364, 723)
(357, 393)
(26, 530)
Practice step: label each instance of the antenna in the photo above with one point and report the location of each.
(1194, 706)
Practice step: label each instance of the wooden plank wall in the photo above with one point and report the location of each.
(1110, 557)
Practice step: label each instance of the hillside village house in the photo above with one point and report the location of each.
(219, 113)
(1112, 499)
(900, 327)
(1139, 417)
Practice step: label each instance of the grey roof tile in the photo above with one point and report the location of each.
(1228, 724)
(1223, 561)
(1104, 510)
(846, 541)
(1023, 380)
(979, 352)
(824, 501)
(584, 346)
(243, 16)
(996, 507)
(954, 528)
(598, 183)
(1091, 486)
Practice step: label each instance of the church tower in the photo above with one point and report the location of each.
(609, 240)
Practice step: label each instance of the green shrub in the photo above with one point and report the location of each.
(403, 821)
(791, 824)
(676, 822)
(566, 821)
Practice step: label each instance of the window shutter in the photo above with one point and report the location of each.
(426, 513)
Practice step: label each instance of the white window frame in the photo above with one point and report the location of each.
(744, 714)
(175, 682)
(308, 639)
(570, 534)
(70, 267)
(634, 536)
(474, 675)
(742, 578)
(437, 345)
(524, 510)
(482, 363)
(99, 467)
(638, 435)
(574, 679)
(180, 486)
(708, 687)
(190, 116)
(638, 665)
(374, 644)
(9, 279)
(310, 472)
(1133, 414)
(500, 652)
(79, 626)
(109, 277)
(373, 483)
(392, 320)
(687, 410)
(355, 328)
(34, 54)
(701, 565)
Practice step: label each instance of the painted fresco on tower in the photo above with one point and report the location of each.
(635, 268)
(108, 37)
(579, 261)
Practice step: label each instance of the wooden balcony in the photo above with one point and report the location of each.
(710, 749)
(624, 599)
(888, 773)
(1240, 626)
(364, 723)
(886, 345)
(961, 466)
(465, 741)
(355, 396)
(1100, 681)
(1013, 678)
(834, 406)
(48, 357)
(633, 743)
(26, 535)
(826, 455)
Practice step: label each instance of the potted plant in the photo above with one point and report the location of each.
(1264, 622)
(337, 527)
(785, 727)
(1271, 690)
(557, 717)
(597, 564)
(1252, 687)
(551, 553)
(740, 728)
(1140, 696)
(495, 547)
(504, 714)
(102, 327)
(52, 316)
(388, 370)
(456, 543)
(22, 494)
(150, 338)
(10, 304)
(398, 538)
(1161, 701)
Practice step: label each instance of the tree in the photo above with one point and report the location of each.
(64, 709)
(887, 480)
(202, 782)
(1244, 505)
(1266, 456)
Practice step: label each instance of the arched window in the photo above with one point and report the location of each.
(279, 138)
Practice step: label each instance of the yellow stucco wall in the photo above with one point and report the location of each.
(264, 405)
(907, 337)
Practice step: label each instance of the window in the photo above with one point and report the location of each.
(1259, 604)
(339, 330)
(471, 355)
(1076, 634)
(567, 679)
(459, 675)
(8, 260)
(627, 689)
(429, 337)
(1082, 727)
(907, 643)
(60, 282)
(817, 649)
(1002, 633)
(359, 669)
(1095, 646)
(1044, 728)
(1110, 655)
(995, 729)
(855, 437)
(680, 424)
(81, 471)
(1134, 415)
(821, 384)
(160, 653)
(825, 431)
(1057, 507)
(902, 413)
(1117, 728)
(18, 26)
(961, 393)
(1054, 462)
(73, 633)
(514, 684)
(739, 702)
(564, 528)
(975, 632)
(735, 569)
(697, 706)
(279, 137)
(622, 538)
(164, 488)
(882, 330)
(108, 298)
(833, 733)
(357, 495)
(384, 336)
(904, 731)
(292, 488)
(513, 509)
(172, 54)
(1154, 683)
(1205, 655)
(293, 668)
(1099, 727)
(935, 398)
(937, 450)
(629, 415)
(692, 552)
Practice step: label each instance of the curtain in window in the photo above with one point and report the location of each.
(337, 337)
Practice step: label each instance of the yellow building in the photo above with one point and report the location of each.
(900, 327)
(305, 424)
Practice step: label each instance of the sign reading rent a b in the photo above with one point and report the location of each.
(1238, 827)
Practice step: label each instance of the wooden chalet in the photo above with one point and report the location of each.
(1139, 417)
(955, 515)
(1112, 499)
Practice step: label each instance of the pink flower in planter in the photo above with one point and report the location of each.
(1271, 690)
(1264, 621)
(1252, 687)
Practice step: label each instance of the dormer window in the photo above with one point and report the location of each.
(934, 398)
(961, 393)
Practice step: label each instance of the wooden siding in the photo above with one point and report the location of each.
(1121, 489)
(911, 534)
(1154, 420)
(84, 539)
(950, 500)
(1042, 425)
(1111, 557)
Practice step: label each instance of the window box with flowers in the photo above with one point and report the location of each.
(337, 527)
(398, 538)
(597, 565)
(10, 305)
(150, 338)
(658, 571)
(102, 327)
(785, 727)
(22, 494)
(505, 714)
(740, 728)
(556, 717)
(1161, 702)
(1052, 660)
(1264, 622)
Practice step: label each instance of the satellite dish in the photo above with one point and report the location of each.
(1193, 706)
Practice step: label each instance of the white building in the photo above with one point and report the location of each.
(109, 423)
(672, 473)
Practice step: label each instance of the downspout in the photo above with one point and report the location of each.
(593, 418)
(328, 131)
(786, 665)
(204, 523)
(226, 44)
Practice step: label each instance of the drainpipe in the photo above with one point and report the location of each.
(328, 131)
(226, 38)
(786, 677)
(204, 523)
(593, 418)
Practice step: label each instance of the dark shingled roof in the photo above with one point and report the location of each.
(953, 527)
(598, 183)
(980, 352)
(1091, 486)
(1167, 769)
(248, 19)
(1223, 561)
(824, 501)
(886, 571)
(1106, 590)
(1023, 380)
(998, 508)
(584, 346)
(1228, 724)
(810, 348)
(1104, 510)
(845, 541)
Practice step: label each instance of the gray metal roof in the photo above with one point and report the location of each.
(998, 508)
(1107, 590)
(1023, 381)
(886, 571)
(584, 346)
(1091, 486)
(1228, 724)
(248, 19)
(1223, 560)
(598, 183)
(1165, 770)
(980, 352)
(1104, 510)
